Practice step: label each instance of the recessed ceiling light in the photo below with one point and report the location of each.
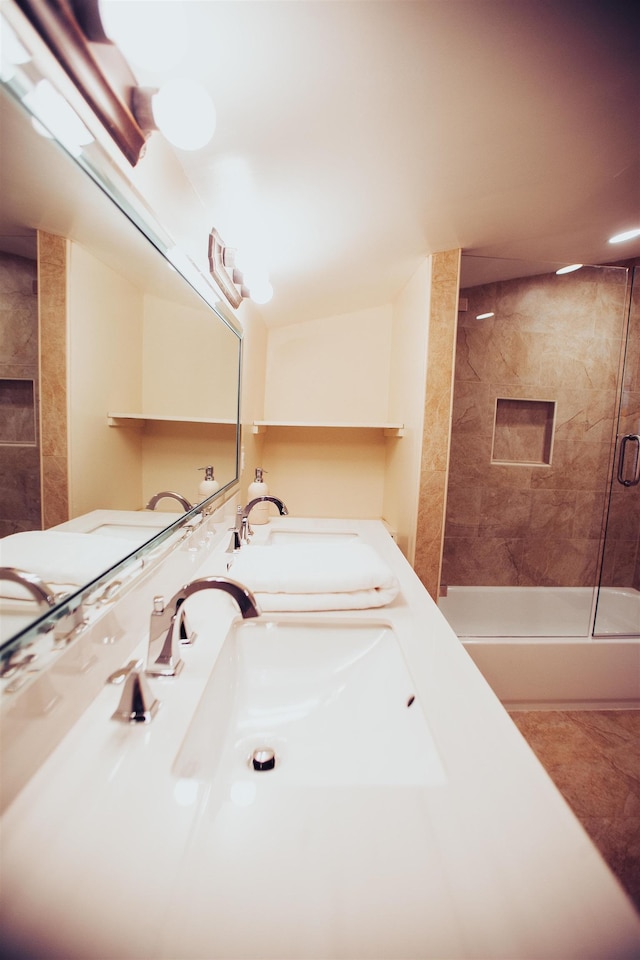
(569, 269)
(627, 235)
(484, 316)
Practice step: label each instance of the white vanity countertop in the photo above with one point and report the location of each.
(108, 854)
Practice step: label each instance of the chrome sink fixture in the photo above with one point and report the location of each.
(242, 531)
(168, 627)
(168, 494)
(33, 584)
(309, 702)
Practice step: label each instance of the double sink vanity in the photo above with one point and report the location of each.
(313, 784)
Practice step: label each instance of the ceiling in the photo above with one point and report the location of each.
(354, 137)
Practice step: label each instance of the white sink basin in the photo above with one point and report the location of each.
(136, 525)
(129, 531)
(323, 538)
(333, 699)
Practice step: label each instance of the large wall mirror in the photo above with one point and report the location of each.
(119, 378)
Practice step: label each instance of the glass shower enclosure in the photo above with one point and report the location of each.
(617, 608)
(543, 516)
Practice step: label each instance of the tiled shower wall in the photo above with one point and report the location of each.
(19, 462)
(555, 339)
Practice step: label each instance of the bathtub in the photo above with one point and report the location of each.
(536, 648)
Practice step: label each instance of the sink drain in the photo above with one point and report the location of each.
(263, 759)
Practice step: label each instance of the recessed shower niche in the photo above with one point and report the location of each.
(523, 431)
(17, 403)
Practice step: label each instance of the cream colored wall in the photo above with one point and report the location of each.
(190, 369)
(329, 371)
(104, 374)
(172, 454)
(406, 405)
(190, 362)
(333, 370)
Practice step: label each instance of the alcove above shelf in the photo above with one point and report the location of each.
(389, 429)
(116, 419)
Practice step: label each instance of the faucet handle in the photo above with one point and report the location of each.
(137, 703)
(164, 657)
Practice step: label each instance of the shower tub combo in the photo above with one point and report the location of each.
(551, 646)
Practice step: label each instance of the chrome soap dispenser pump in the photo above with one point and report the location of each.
(260, 513)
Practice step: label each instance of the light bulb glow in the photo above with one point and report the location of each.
(626, 235)
(55, 118)
(485, 316)
(12, 53)
(154, 42)
(569, 269)
(261, 293)
(184, 113)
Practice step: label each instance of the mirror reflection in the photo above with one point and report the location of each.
(117, 380)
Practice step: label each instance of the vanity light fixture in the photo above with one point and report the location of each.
(227, 269)
(569, 269)
(74, 32)
(625, 235)
(485, 316)
(223, 270)
(180, 108)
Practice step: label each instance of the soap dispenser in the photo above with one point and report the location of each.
(260, 513)
(209, 485)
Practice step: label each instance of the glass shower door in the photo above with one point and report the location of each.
(618, 603)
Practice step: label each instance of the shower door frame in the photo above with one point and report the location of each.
(623, 481)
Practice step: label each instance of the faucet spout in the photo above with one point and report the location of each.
(167, 629)
(38, 589)
(282, 510)
(155, 499)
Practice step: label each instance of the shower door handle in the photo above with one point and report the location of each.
(635, 479)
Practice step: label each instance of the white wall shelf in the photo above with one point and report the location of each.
(389, 429)
(116, 419)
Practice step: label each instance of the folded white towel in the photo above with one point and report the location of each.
(349, 576)
(351, 600)
(72, 559)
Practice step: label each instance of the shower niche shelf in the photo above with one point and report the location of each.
(523, 432)
(18, 405)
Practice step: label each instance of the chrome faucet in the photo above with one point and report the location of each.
(184, 503)
(38, 589)
(168, 627)
(242, 529)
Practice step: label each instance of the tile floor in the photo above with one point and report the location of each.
(593, 757)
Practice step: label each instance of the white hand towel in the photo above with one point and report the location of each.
(301, 602)
(72, 559)
(349, 575)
